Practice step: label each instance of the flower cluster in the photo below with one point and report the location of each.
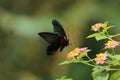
(101, 57)
(104, 61)
(76, 52)
(97, 26)
(111, 44)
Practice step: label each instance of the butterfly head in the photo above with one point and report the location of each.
(66, 43)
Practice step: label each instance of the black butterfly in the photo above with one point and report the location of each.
(57, 40)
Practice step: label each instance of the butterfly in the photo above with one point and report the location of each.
(56, 40)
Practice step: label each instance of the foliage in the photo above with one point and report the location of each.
(106, 61)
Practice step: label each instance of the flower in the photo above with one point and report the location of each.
(96, 27)
(101, 57)
(70, 55)
(76, 52)
(104, 24)
(82, 50)
(111, 44)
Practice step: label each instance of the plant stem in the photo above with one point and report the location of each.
(90, 59)
(87, 64)
(114, 69)
(113, 51)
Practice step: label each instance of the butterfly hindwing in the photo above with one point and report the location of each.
(53, 47)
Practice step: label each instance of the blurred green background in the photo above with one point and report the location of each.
(23, 52)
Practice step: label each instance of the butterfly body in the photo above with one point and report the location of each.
(56, 40)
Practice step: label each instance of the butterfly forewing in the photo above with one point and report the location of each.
(49, 37)
(58, 29)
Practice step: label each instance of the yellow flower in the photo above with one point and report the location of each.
(104, 24)
(111, 44)
(70, 55)
(101, 57)
(75, 52)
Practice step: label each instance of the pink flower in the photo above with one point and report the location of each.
(81, 50)
(76, 52)
(100, 59)
(96, 27)
(111, 44)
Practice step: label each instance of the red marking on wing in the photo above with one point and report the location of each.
(63, 40)
(65, 37)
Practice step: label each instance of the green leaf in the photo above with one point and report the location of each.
(117, 57)
(102, 76)
(93, 35)
(63, 78)
(106, 28)
(117, 35)
(100, 37)
(115, 62)
(114, 59)
(98, 70)
(111, 36)
(115, 76)
(67, 62)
